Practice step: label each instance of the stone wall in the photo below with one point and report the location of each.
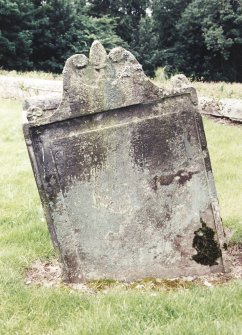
(22, 88)
(224, 108)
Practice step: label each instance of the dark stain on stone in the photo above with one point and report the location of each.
(178, 245)
(166, 180)
(72, 268)
(51, 186)
(184, 176)
(207, 248)
(181, 177)
(207, 161)
(168, 212)
(82, 157)
(159, 224)
(201, 132)
(155, 183)
(151, 144)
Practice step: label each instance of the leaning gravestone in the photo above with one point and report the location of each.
(124, 174)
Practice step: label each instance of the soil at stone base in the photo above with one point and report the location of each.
(48, 274)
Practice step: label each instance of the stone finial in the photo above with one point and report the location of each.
(119, 54)
(80, 61)
(97, 55)
(181, 84)
(180, 81)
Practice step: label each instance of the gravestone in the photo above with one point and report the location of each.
(124, 174)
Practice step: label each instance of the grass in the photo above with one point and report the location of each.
(38, 310)
(225, 147)
(219, 90)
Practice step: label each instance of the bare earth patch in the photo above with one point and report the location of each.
(48, 274)
(44, 273)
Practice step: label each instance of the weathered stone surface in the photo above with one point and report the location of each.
(36, 107)
(124, 174)
(180, 81)
(225, 108)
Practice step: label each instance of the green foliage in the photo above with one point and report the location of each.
(41, 35)
(54, 36)
(144, 45)
(127, 13)
(166, 13)
(101, 29)
(64, 28)
(133, 27)
(15, 34)
(202, 38)
(210, 39)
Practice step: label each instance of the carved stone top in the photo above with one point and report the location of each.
(179, 81)
(103, 82)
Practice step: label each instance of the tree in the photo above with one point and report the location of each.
(144, 45)
(126, 12)
(210, 40)
(133, 26)
(54, 35)
(64, 28)
(16, 34)
(166, 13)
(202, 38)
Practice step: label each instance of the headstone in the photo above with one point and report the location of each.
(124, 174)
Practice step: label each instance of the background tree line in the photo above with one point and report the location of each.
(201, 38)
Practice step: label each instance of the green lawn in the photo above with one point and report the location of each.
(24, 238)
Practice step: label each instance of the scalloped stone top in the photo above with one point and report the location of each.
(104, 81)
